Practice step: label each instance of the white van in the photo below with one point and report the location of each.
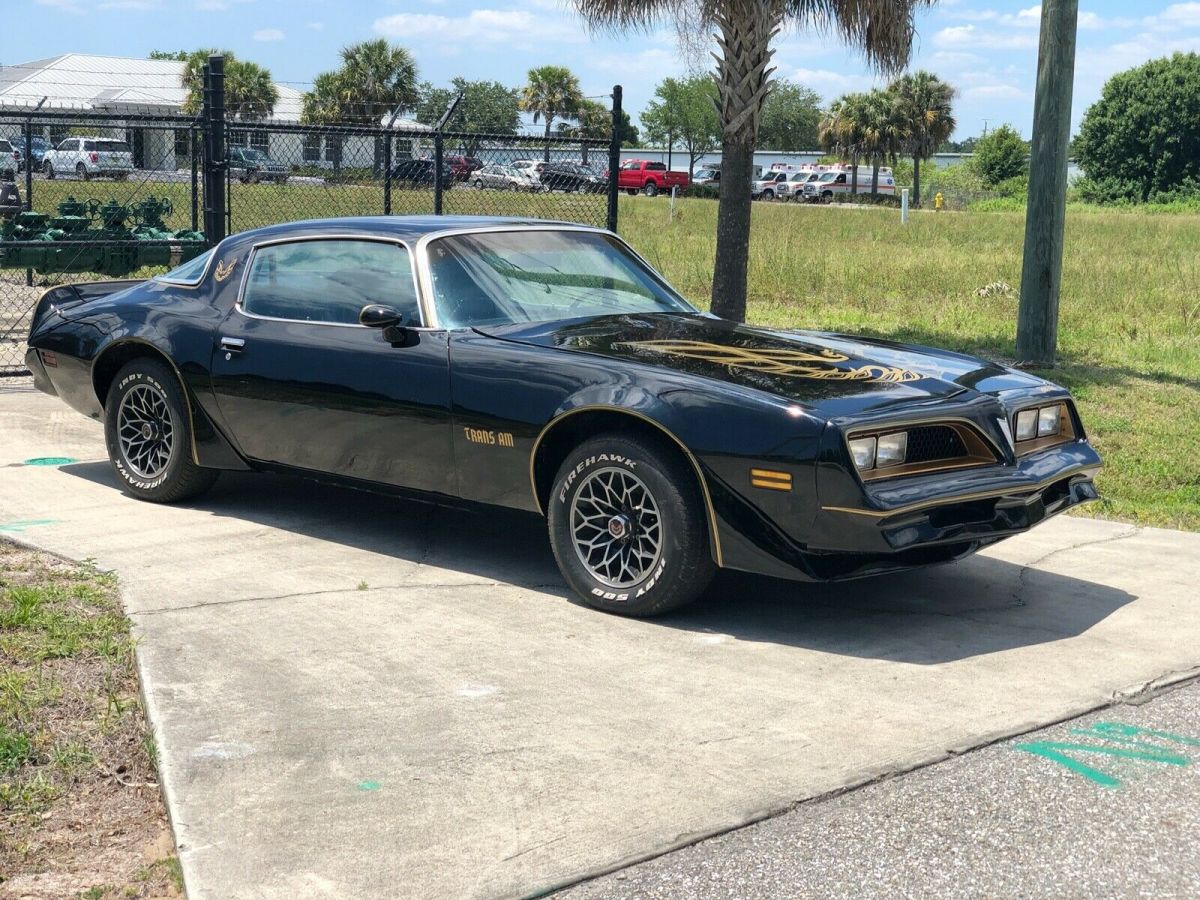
(840, 179)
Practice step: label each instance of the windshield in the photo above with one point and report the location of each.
(190, 272)
(251, 153)
(502, 277)
(828, 176)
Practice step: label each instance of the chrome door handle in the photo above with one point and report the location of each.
(230, 346)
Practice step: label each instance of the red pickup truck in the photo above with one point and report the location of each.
(649, 177)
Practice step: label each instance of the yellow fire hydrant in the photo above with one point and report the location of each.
(938, 200)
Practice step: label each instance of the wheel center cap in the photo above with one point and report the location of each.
(618, 526)
(147, 431)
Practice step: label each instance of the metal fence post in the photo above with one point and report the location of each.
(29, 181)
(214, 157)
(614, 159)
(438, 146)
(194, 153)
(387, 174)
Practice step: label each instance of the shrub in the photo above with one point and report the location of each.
(1001, 154)
(1144, 131)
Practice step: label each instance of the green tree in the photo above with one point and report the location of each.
(925, 109)
(1001, 154)
(487, 106)
(250, 94)
(683, 114)
(884, 133)
(790, 118)
(173, 55)
(375, 79)
(552, 92)
(745, 30)
(1143, 135)
(841, 131)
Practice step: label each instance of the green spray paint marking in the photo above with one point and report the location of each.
(50, 461)
(21, 524)
(1114, 733)
(368, 785)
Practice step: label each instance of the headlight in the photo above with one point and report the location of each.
(863, 451)
(1027, 423)
(1049, 421)
(891, 449)
(1042, 422)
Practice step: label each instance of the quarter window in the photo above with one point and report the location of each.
(329, 281)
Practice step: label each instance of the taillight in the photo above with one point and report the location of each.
(94, 156)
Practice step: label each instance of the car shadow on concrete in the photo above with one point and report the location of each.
(969, 608)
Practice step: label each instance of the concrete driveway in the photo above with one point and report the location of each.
(359, 697)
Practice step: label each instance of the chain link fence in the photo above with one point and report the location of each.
(98, 196)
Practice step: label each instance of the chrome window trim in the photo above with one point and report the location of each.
(349, 236)
(162, 279)
(425, 292)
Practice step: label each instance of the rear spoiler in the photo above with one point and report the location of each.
(65, 297)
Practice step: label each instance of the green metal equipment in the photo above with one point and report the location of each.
(89, 236)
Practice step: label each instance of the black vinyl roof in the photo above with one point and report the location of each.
(403, 227)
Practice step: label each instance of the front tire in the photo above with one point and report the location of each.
(48, 170)
(148, 432)
(651, 189)
(627, 527)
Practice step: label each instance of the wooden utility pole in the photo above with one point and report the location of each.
(1041, 271)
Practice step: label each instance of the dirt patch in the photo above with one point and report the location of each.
(81, 811)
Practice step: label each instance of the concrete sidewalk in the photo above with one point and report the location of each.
(358, 697)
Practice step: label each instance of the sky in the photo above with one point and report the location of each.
(986, 48)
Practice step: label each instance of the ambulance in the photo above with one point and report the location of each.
(838, 180)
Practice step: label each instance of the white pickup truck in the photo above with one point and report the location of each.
(89, 157)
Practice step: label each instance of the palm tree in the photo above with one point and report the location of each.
(883, 132)
(924, 105)
(250, 94)
(376, 78)
(552, 92)
(882, 29)
(841, 131)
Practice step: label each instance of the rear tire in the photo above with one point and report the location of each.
(48, 169)
(81, 172)
(148, 431)
(628, 528)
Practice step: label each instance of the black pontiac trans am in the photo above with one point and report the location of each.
(546, 367)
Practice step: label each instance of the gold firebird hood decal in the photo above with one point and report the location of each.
(792, 363)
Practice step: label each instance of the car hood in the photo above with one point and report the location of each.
(832, 374)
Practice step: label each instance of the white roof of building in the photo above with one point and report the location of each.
(111, 83)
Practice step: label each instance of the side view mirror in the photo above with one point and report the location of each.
(374, 315)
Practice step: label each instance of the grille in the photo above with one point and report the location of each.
(928, 443)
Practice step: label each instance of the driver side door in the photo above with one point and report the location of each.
(300, 383)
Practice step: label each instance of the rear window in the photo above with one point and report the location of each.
(190, 272)
(656, 167)
(5, 146)
(109, 146)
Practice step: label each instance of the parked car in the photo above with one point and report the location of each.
(505, 178)
(420, 173)
(839, 180)
(250, 165)
(567, 176)
(10, 199)
(649, 177)
(707, 176)
(89, 157)
(530, 167)
(461, 167)
(546, 367)
(10, 160)
(37, 150)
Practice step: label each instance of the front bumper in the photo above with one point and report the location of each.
(966, 506)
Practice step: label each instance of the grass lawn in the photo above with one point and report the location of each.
(80, 811)
(1129, 334)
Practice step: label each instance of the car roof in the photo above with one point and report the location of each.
(403, 227)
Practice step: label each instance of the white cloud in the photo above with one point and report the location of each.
(268, 34)
(129, 4)
(497, 27)
(1175, 17)
(651, 61)
(995, 92)
(317, 26)
(957, 37)
(69, 6)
